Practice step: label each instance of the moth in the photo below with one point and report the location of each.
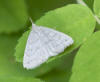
(43, 43)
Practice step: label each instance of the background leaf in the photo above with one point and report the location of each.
(13, 15)
(86, 66)
(19, 79)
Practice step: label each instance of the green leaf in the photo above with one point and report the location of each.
(69, 20)
(21, 42)
(86, 66)
(19, 79)
(13, 15)
(97, 7)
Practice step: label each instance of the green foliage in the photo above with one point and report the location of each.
(77, 21)
(19, 79)
(95, 8)
(21, 47)
(13, 15)
(86, 63)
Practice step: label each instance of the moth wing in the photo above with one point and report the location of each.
(43, 43)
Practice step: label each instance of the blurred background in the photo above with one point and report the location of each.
(14, 21)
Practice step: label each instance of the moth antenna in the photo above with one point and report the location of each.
(33, 25)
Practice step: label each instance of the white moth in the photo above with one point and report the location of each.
(42, 44)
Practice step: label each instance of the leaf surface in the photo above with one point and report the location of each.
(19, 79)
(86, 66)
